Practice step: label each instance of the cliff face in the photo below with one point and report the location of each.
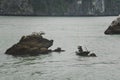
(16, 7)
(59, 7)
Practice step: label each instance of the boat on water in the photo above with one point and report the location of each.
(80, 51)
(86, 53)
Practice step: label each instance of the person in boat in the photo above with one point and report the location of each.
(80, 49)
(81, 52)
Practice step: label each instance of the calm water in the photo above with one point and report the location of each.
(68, 33)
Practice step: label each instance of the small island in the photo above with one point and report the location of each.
(33, 44)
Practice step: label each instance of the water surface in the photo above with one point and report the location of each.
(68, 33)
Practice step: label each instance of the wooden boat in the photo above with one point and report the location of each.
(84, 53)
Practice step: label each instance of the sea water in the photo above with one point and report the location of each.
(67, 33)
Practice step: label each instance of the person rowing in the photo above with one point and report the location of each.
(81, 52)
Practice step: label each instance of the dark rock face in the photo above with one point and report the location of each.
(31, 45)
(114, 28)
(60, 7)
(16, 7)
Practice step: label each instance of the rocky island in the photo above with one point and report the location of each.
(33, 44)
(114, 28)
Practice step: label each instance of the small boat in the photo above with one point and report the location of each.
(84, 53)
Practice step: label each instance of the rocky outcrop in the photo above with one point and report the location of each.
(33, 44)
(114, 28)
(58, 50)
